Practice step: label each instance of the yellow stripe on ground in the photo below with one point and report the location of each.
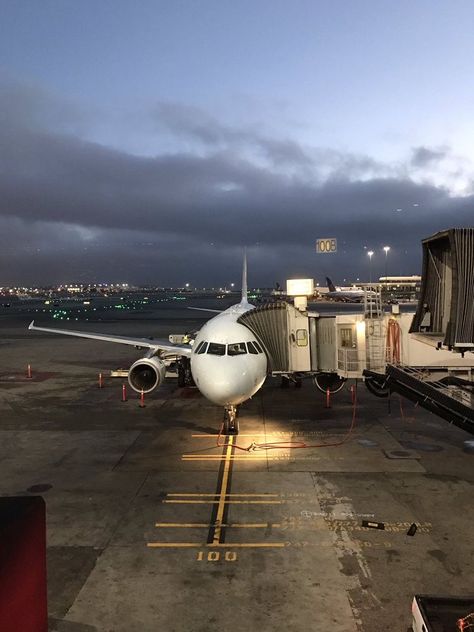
(206, 436)
(250, 545)
(202, 525)
(224, 502)
(197, 545)
(219, 457)
(228, 494)
(223, 491)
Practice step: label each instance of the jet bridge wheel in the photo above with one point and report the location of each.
(331, 381)
(231, 423)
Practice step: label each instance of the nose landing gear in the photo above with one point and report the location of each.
(231, 423)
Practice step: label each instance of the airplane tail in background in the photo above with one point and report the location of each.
(330, 285)
(244, 279)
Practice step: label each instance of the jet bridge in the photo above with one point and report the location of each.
(303, 344)
(444, 319)
(445, 314)
(283, 331)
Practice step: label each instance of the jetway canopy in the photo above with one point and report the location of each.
(283, 330)
(445, 310)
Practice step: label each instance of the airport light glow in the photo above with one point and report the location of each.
(300, 287)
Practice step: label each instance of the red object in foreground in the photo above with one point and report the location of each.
(328, 398)
(23, 599)
(28, 372)
(124, 393)
(101, 382)
(142, 399)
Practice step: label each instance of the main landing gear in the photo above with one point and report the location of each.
(231, 423)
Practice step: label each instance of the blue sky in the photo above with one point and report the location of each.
(375, 96)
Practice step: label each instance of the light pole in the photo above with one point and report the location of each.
(386, 249)
(370, 254)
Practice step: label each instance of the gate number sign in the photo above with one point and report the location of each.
(324, 246)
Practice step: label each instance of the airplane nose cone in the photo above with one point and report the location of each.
(225, 385)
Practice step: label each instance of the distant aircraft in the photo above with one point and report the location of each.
(228, 364)
(347, 295)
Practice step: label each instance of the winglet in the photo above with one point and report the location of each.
(244, 278)
(31, 325)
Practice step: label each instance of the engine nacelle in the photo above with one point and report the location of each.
(146, 374)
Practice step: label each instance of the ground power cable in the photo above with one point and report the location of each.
(293, 445)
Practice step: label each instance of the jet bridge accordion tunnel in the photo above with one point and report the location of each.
(296, 345)
(445, 313)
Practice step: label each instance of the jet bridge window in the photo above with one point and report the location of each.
(346, 337)
(216, 349)
(301, 337)
(236, 348)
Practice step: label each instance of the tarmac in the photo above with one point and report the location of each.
(151, 525)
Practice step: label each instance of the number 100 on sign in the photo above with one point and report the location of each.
(323, 246)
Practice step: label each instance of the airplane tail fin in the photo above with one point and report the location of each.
(244, 278)
(330, 285)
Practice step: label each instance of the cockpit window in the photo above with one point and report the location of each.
(252, 348)
(216, 349)
(258, 346)
(236, 348)
(202, 347)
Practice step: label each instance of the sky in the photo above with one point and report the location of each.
(150, 142)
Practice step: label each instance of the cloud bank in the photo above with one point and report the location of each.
(71, 208)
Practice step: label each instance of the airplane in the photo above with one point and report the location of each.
(228, 364)
(347, 295)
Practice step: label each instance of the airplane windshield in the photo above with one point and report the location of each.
(236, 348)
(252, 348)
(201, 347)
(257, 346)
(216, 349)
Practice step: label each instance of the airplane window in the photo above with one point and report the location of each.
(252, 348)
(216, 349)
(236, 348)
(257, 345)
(202, 347)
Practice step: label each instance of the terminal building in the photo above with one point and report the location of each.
(400, 288)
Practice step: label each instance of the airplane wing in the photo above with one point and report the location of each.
(149, 343)
(205, 309)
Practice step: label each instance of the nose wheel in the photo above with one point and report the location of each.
(231, 423)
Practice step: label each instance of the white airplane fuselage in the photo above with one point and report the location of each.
(226, 368)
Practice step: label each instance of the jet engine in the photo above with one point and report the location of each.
(146, 374)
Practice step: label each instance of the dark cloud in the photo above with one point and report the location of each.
(76, 209)
(422, 156)
(192, 122)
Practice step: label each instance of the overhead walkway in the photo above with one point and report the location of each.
(444, 316)
(450, 398)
